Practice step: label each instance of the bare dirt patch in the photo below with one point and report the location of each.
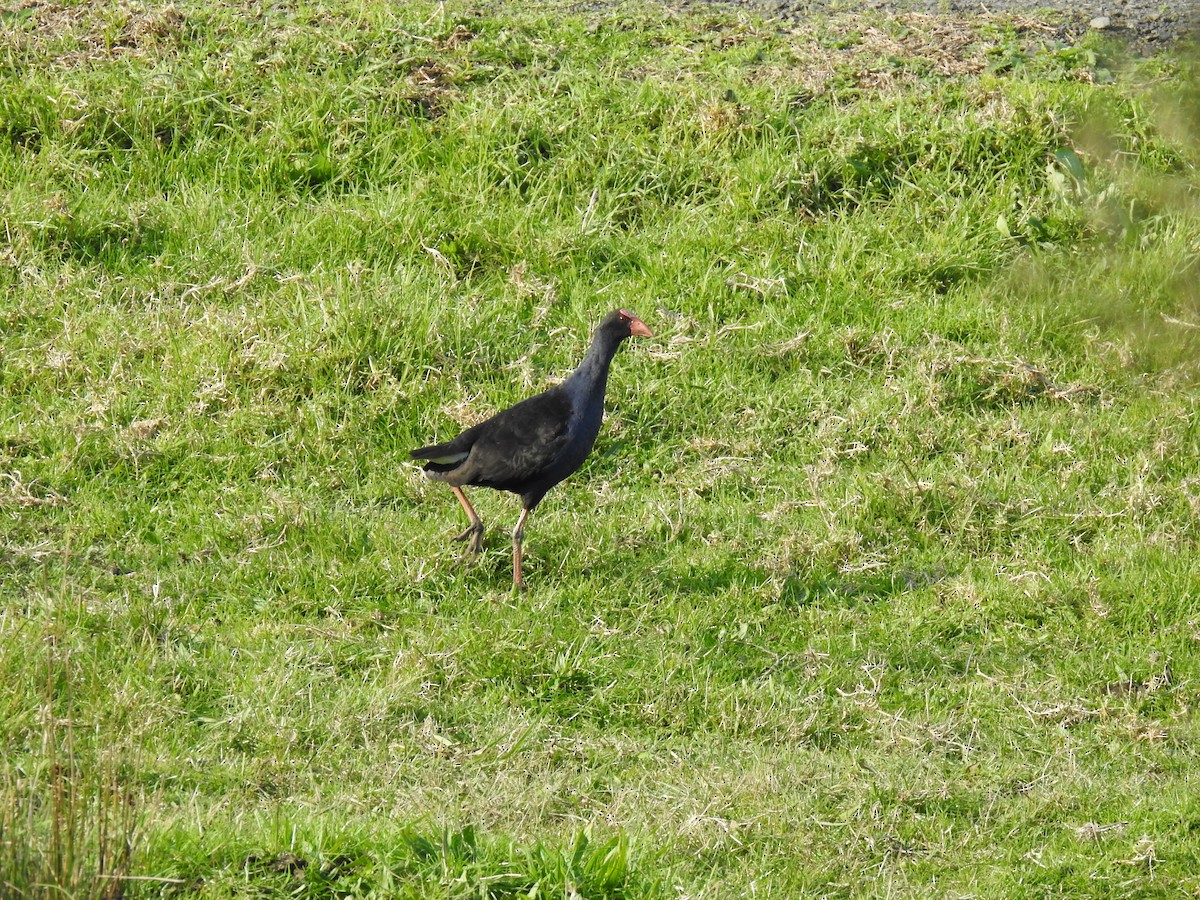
(92, 31)
(1151, 24)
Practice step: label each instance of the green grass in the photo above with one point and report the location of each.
(883, 579)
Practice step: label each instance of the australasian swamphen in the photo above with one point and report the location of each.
(529, 448)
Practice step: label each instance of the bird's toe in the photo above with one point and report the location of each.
(474, 537)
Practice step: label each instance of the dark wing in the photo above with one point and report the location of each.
(521, 443)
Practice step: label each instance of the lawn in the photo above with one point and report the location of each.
(883, 578)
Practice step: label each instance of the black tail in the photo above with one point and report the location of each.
(429, 452)
(441, 457)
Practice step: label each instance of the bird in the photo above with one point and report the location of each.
(529, 448)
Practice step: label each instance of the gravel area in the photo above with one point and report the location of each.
(1149, 24)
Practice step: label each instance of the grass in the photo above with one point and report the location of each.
(883, 578)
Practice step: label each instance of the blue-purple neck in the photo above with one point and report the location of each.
(587, 384)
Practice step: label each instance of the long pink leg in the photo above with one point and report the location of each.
(474, 530)
(518, 535)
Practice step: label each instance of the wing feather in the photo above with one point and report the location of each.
(516, 446)
(522, 442)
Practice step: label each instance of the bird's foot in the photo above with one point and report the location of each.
(474, 534)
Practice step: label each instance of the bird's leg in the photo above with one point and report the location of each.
(474, 530)
(518, 535)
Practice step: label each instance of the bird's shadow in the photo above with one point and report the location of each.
(714, 578)
(799, 589)
(816, 588)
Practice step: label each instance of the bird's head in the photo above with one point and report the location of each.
(626, 324)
